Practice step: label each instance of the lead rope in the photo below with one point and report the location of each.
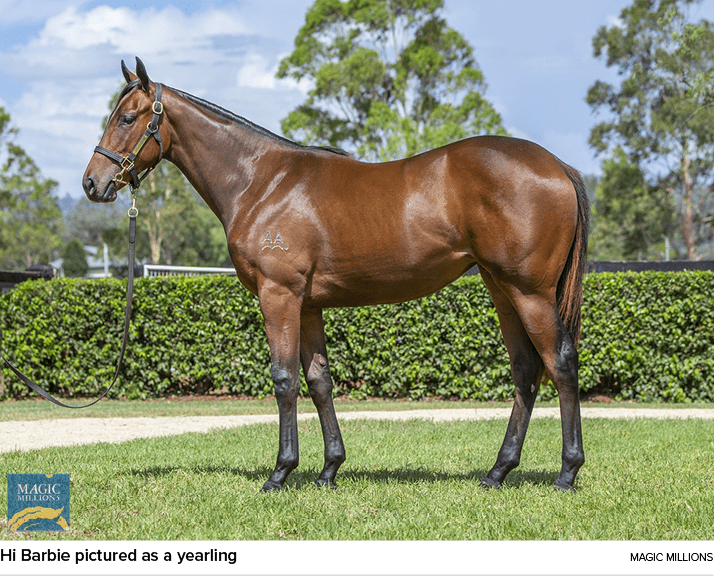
(133, 213)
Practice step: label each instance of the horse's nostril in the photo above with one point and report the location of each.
(90, 188)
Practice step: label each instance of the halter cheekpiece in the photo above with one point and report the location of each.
(127, 162)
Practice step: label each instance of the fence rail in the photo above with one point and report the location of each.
(10, 278)
(640, 266)
(165, 270)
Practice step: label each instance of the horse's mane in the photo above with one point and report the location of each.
(231, 117)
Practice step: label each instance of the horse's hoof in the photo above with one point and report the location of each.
(487, 483)
(565, 487)
(271, 486)
(327, 483)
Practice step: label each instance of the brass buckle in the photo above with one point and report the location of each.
(118, 178)
(160, 109)
(133, 211)
(126, 166)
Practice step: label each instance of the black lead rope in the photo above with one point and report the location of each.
(129, 298)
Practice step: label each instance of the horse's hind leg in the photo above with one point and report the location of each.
(526, 369)
(313, 353)
(540, 317)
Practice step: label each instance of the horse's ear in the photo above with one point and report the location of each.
(143, 76)
(128, 76)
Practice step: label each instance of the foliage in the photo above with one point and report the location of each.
(92, 223)
(630, 217)
(390, 79)
(74, 259)
(660, 114)
(646, 336)
(402, 480)
(30, 217)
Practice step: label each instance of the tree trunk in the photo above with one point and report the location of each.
(688, 209)
(153, 225)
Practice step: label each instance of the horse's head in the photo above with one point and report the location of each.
(131, 141)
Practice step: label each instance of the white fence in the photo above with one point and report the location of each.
(165, 270)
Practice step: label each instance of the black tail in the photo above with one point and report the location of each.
(570, 286)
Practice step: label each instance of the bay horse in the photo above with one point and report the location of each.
(310, 228)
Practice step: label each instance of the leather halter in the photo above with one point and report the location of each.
(127, 162)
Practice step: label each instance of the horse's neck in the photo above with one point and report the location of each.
(214, 154)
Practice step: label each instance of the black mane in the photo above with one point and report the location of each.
(231, 117)
(128, 88)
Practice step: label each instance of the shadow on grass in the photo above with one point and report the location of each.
(301, 478)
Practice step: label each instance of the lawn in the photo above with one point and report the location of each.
(643, 480)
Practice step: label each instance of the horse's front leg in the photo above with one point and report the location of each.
(281, 312)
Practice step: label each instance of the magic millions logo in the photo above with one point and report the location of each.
(38, 502)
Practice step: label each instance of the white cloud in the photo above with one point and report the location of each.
(70, 67)
(256, 73)
(147, 32)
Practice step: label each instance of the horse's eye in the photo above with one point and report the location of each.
(127, 119)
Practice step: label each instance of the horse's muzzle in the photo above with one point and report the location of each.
(92, 191)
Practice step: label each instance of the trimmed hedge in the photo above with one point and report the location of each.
(646, 336)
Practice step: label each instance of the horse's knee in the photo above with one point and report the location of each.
(285, 385)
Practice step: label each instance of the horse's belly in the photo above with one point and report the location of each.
(386, 282)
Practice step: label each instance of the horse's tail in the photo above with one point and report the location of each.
(569, 293)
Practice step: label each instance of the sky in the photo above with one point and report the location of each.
(60, 63)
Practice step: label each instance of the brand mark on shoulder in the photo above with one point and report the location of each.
(273, 242)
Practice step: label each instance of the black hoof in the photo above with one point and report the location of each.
(271, 486)
(565, 487)
(327, 483)
(487, 483)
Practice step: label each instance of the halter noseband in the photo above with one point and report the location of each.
(127, 162)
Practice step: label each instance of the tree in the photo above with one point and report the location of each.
(661, 114)
(74, 259)
(630, 217)
(390, 79)
(89, 222)
(175, 222)
(30, 216)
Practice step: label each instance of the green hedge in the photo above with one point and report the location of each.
(646, 336)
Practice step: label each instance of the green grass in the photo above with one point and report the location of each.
(643, 480)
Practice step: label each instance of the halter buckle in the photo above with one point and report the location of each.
(157, 107)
